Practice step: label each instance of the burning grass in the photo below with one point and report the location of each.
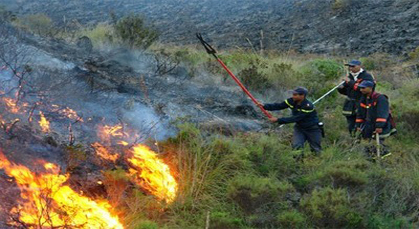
(47, 202)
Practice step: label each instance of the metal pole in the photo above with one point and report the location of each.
(318, 100)
(377, 138)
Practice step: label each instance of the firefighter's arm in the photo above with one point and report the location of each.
(278, 106)
(296, 118)
(383, 111)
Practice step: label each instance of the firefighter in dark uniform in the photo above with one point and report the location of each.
(305, 118)
(351, 89)
(373, 115)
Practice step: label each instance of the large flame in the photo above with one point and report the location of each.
(152, 173)
(48, 203)
(148, 171)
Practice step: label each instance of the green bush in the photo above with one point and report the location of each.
(330, 208)
(326, 69)
(340, 5)
(414, 55)
(320, 75)
(252, 193)
(292, 219)
(253, 79)
(346, 174)
(100, 35)
(368, 63)
(134, 32)
(39, 24)
(147, 224)
(224, 220)
(381, 222)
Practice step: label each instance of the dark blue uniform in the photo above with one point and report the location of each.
(306, 123)
(374, 112)
(353, 93)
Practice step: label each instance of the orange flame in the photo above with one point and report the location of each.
(106, 132)
(48, 203)
(123, 143)
(11, 104)
(44, 123)
(155, 175)
(70, 113)
(104, 153)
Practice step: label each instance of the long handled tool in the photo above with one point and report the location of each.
(210, 50)
(322, 97)
(377, 138)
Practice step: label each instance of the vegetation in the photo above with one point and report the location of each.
(253, 180)
(133, 31)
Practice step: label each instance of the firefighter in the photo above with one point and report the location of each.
(351, 89)
(373, 116)
(305, 118)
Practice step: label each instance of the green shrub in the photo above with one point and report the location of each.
(330, 208)
(147, 224)
(252, 193)
(368, 63)
(326, 69)
(292, 219)
(340, 5)
(224, 220)
(414, 55)
(134, 32)
(39, 24)
(253, 79)
(346, 174)
(100, 35)
(320, 75)
(381, 222)
(405, 108)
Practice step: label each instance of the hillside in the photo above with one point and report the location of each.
(324, 26)
(100, 132)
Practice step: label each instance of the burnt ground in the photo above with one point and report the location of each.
(111, 87)
(356, 27)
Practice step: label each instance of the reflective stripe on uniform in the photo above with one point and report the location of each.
(381, 120)
(359, 120)
(306, 111)
(291, 106)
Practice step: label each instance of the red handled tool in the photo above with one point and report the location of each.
(210, 50)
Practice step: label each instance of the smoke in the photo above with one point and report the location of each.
(52, 86)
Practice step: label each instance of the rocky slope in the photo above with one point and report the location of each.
(324, 26)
